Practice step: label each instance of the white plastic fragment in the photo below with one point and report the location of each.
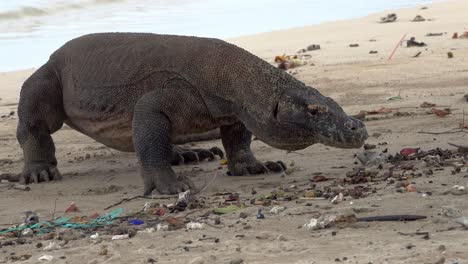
(120, 237)
(95, 236)
(161, 227)
(451, 212)
(458, 190)
(147, 206)
(194, 225)
(338, 198)
(147, 230)
(322, 222)
(462, 221)
(46, 258)
(184, 199)
(52, 246)
(27, 232)
(277, 209)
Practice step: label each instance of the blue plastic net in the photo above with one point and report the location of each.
(64, 222)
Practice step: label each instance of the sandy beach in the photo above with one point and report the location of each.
(96, 176)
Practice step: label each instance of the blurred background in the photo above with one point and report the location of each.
(30, 30)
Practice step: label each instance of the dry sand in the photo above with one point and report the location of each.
(358, 81)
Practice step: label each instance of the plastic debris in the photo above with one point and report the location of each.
(409, 151)
(46, 258)
(451, 212)
(462, 221)
(121, 237)
(162, 227)
(228, 209)
(371, 158)
(147, 206)
(394, 98)
(148, 230)
(441, 112)
(458, 190)
(411, 188)
(338, 198)
(31, 218)
(136, 222)
(95, 236)
(183, 200)
(194, 226)
(260, 215)
(72, 208)
(389, 18)
(277, 209)
(322, 222)
(52, 246)
(67, 222)
(27, 232)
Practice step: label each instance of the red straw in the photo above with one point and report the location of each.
(398, 45)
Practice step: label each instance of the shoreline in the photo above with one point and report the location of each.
(239, 39)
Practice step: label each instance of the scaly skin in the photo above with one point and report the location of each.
(146, 92)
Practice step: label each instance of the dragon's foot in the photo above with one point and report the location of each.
(181, 155)
(165, 182)
(39, 172)
(255, 167)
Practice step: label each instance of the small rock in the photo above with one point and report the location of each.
(369, 146)
(236, 261)
(281, 238)
(418, 18)
(194, 226)
(313, 47)
(243, 215)
(277, 209)
(197, 260)
(52, 246)
(355, 45)
(409, 246)
(120, 237)
(162, 227)
(450, 54)
(46, 258)
(148, 230)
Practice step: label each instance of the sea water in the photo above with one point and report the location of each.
(30, 30)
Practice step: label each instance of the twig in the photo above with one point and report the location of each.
(463, 120)
(126, 200)
(424, 234)
(384, 218)
(295, 152)
(444, 132)
(55, 208)
(206, 185)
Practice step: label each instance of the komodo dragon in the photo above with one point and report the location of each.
(144, 92)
